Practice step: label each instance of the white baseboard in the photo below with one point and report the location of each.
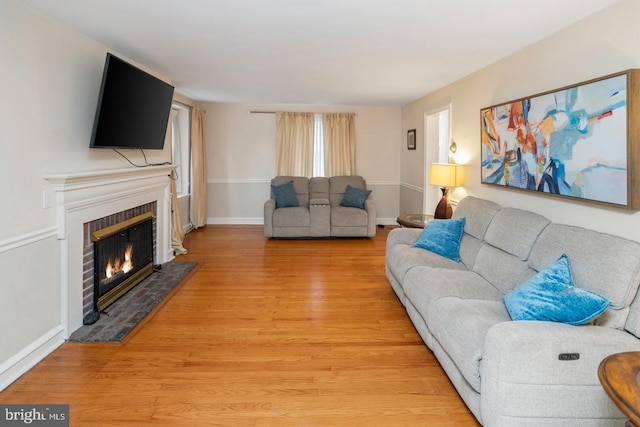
(260, 221)
(235, 221)
(386, 221)
(16, 366)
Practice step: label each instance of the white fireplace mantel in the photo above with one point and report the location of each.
(81, 197)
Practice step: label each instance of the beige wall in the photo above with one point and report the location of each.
(601, 44)
(241, 158)
(51, 77)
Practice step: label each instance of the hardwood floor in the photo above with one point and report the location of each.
(261, 333)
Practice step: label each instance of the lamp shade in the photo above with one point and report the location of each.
(444, 175)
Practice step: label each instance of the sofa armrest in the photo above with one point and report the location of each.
(269, 207)
(402, 236)
(522, 349)
(320, 218)
(370, 207)
(552, 365)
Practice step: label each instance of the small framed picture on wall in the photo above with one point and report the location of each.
(411, 139)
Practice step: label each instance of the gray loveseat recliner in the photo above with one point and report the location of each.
(525, 372)
(320, 213)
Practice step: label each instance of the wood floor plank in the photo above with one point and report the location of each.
(262, 333)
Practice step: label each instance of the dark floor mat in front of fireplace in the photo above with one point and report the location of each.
(122, 316)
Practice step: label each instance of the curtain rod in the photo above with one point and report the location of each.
(187, 106)
(274, 112)
(182, 104)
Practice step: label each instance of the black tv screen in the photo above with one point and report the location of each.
(133, 108)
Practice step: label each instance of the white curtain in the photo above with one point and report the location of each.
(177, 233)
(176, 149)
(294, 136)
(339, 136)
(199, 213)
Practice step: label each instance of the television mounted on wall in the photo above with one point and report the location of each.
(133, 108)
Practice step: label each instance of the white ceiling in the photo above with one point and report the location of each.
(349, 52)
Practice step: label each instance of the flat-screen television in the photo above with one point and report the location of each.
(133, 108)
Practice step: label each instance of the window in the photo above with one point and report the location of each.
(181, 149)
(312, 144)
(318, 147)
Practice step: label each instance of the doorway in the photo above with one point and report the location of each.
(437, 131)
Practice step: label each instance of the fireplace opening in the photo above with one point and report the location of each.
(123, 257)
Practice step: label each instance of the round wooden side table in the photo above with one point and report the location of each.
(619, 376)
(413, 220)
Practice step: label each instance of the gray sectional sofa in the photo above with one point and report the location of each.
(524, 372)
(320, 210)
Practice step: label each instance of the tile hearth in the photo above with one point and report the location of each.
(123, 316)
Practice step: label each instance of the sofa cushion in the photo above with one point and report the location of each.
(443, 237)
(425, 285)
(469, 248)
(515, 231)
(460, 327)
(291, 217)
(348, 217)
(338, 186)
(285, 195)
(551, 295)
(478, 214)
(319, 188)
(301, 185)
(589, 251)
(401, 258)
(354, 197)
(502, 269)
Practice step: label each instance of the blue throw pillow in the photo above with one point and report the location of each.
(551, 295)
(354, 197)
(285, 195)
(442, 236)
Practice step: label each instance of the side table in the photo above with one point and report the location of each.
(618, 375)
(413, 220)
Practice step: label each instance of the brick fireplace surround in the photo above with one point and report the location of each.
(84, 197)
(88, 247)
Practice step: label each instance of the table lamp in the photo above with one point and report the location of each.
(444, 175)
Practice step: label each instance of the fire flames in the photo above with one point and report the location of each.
(115, 266)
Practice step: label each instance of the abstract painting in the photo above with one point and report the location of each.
(570, 142)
